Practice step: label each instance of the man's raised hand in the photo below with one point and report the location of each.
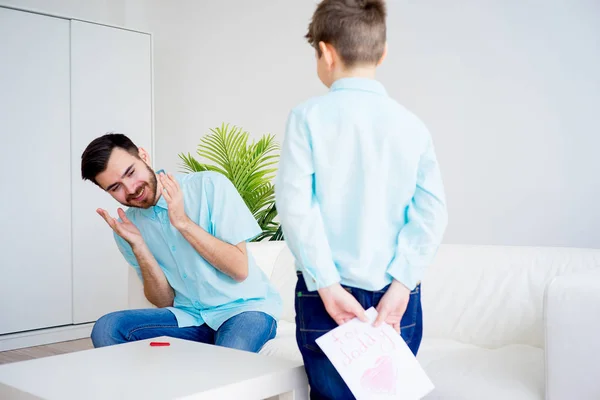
(126, 229)
(174, 197)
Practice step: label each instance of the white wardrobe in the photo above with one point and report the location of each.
(63, 83)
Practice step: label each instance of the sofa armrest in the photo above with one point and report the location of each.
(572, 328)
(265, 254)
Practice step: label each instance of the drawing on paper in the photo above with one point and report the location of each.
(381, 378)
(375, 362)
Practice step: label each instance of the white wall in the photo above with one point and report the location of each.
(511, 93)
(239, 62)
(508, 90)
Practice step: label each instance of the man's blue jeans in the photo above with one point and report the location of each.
(246, 331)
(312, 321)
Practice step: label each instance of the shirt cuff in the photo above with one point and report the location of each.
(403, 272)
(324, 280)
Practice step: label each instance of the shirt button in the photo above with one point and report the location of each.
(197, 304)
(173, 248)
(184, 276)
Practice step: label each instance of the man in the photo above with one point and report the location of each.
(186, 238)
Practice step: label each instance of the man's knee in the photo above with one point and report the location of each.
(108, 330)
(247, 331)
(239, 341)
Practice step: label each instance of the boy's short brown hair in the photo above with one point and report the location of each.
(356, 28)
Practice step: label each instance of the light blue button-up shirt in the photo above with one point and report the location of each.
(359, 191)
(203, 294)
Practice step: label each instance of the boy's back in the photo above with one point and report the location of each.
(366, 151)
(359, 193)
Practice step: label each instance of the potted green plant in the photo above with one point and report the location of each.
(250, 166)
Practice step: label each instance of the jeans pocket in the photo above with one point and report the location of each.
(409, 320)
(312, 320)
(411, 315)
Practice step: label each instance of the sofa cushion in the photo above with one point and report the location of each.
(466, 372)
(284, 344)
(493, 296)
(458, 371)
(265, 254)
(277, 262)
(284, 279)
(490, 296)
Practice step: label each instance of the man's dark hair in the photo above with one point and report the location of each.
(95, 157)
(356, 28)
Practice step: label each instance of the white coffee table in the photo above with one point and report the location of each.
(183, 370)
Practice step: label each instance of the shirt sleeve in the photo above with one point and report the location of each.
(299, 210)
(231, 219)
(127, 252)
(427, 218)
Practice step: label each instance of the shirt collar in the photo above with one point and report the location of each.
(162, 203)
(354, 83)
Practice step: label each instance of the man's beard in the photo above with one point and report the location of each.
(149, 194)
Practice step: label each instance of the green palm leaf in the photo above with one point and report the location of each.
(248, 165)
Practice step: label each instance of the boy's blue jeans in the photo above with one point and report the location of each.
(312, 321)
(246, 331)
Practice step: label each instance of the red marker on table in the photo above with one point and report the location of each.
(155, 344)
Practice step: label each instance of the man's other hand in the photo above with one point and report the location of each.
(126, 229)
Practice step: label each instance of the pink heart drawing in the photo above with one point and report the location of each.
(381, 378)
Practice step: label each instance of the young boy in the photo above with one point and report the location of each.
(359, 192)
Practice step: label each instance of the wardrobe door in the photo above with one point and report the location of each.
(111, 91)
(35, 172)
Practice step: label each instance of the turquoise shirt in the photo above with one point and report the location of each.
(203, 294)
(359, 191)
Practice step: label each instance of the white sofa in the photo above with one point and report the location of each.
(500, 322)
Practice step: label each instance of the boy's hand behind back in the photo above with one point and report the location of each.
(341, 305)
(392, 305)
